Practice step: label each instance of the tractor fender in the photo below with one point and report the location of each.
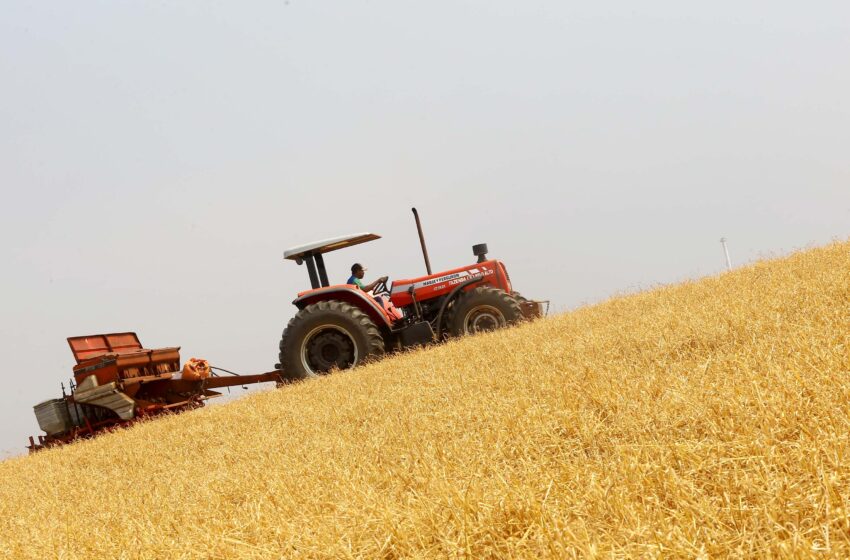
(348, 294)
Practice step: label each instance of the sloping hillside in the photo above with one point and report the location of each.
(710, 418)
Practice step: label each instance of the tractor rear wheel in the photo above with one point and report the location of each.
(328, 335)
(483, 309)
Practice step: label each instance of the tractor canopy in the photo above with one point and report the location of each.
(328, 245)
(311, 254)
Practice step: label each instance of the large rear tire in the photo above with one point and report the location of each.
(328, 335)
(483, 309)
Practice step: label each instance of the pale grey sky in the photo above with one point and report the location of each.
(157, 158)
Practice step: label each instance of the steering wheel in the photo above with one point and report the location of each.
(381, 288)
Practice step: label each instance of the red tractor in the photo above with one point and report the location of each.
(341, 326)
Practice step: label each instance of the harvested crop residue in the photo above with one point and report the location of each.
(705, 419)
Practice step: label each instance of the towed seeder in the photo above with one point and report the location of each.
(117, 382)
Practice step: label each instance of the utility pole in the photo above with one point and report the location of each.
(726, 252)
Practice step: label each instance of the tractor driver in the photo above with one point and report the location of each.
(356, 278)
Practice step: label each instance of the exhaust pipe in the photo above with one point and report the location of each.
(480, 251)
(422, 241)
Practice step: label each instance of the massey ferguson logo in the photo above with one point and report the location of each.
(443, 282)
(439, 280)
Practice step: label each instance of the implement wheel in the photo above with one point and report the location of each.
(483, 309)
(325, 336)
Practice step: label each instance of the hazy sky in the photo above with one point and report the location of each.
(156, 158)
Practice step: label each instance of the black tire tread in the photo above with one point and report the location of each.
(519, 297)
(507, 301)
(375, 341)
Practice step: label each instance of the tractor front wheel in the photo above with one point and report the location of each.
(521, 299)
(325, 336)
(483, 309)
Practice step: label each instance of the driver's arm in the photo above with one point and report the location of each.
(370, 287)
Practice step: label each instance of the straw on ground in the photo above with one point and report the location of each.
(707, 419)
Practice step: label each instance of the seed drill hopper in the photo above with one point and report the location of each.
(117, 381)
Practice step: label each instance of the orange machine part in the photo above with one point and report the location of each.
(119, 356)
(118, 367)
(349, 293)
(435, 285)
(91, 346)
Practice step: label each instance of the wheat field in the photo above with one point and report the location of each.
(702, 420)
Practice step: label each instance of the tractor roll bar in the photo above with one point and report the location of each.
(323, 273)
(316, 269)
(311, 270)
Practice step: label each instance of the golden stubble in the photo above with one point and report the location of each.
(702, 420)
